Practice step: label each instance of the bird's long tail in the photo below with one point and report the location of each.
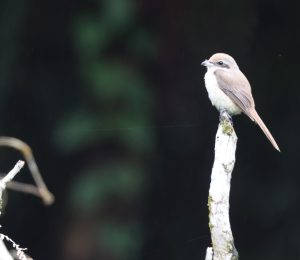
(254, 116)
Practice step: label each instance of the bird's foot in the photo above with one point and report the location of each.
(226, 122)
(224, 116)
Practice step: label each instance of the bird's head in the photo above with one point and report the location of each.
(220, 61)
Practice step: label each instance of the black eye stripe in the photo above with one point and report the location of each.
(222, 64)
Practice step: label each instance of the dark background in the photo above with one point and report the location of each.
(110, 96)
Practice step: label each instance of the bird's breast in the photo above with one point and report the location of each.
(217, 97)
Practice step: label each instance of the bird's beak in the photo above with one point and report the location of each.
(206, 63)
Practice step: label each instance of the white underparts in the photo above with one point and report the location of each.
(217, 97)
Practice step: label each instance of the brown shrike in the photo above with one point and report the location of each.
(229, 90)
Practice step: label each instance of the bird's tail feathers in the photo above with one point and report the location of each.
(258, 120)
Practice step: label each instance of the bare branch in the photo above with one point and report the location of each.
(4, 254)
(218, 201)
(24, 187)
(8, 177)
(25, 149)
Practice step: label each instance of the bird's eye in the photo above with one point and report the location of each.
(221, 63)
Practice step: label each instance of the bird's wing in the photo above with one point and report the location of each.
(236, 86)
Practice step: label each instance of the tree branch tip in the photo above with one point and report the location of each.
(48, 198)
(20, 164)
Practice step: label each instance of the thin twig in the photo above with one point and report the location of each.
(24, 187)
(8, 177)
(45, 194)
(4, 254)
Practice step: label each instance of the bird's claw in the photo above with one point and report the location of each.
(224, 116)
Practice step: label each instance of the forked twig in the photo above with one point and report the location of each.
(41, 190)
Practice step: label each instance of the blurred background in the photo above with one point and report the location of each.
(110, 96)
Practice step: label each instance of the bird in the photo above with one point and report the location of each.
(229, 90)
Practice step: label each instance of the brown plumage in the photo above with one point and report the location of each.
(234, 85)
